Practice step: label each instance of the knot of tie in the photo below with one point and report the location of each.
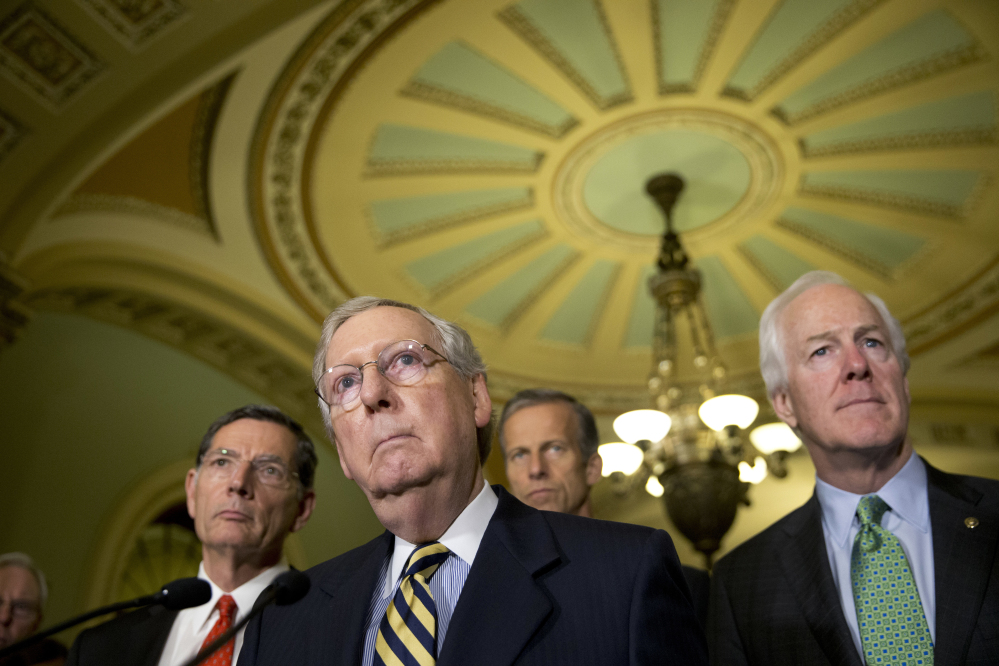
(227, 606)
(426, 559)
(870, 511)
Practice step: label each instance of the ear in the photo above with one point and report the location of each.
(594, 469)
(483, 403)
(305, 507)
(190, 482)
(784, 408)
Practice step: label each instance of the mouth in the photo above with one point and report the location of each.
(540, 492)
(862, 401)
(232, 514)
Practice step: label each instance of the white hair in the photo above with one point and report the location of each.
(773, 360)
(25, 562)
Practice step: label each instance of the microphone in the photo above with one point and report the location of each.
(286, 589)
(177, 595)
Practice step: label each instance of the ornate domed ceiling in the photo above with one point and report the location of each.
(487, 159)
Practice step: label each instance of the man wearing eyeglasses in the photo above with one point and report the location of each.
(251, 486)
(23, 594)
(465, 573)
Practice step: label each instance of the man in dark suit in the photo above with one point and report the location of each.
(465, 573)
(251, 486)
(891, 560)
(549, 441)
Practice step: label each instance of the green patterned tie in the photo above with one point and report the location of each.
(892, 623)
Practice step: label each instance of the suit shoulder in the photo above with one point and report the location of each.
(575, 532)
(352, 559)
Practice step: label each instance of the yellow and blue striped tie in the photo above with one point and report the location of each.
(407, 635)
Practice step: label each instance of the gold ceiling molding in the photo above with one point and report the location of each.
(135, 24)
(11, 133)
(134, 207)
(957, 312)
(43, 58)
(14, 314)
(522, 25)
(299, 103)
(766, 168)
(916, 141)
(836, 23)
(722, 10)
(897, 200)
(202, 134)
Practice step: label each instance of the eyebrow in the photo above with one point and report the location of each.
(831, 333)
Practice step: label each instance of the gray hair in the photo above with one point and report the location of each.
(305, 452)
(773, 361)
(451, 340)
(589, 439)
(25, 562)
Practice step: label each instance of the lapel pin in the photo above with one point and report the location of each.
(971, 522)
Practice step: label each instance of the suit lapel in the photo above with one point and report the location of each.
(501, 605)
(805, 563)
(349, 588)
(962, 561)
(147, 645)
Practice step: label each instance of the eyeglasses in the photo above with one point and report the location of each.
(403, 363)
(221, 465)
(20, 609)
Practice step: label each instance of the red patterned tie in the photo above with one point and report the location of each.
(227, 614)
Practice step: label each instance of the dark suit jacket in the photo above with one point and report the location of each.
(699, 583)
(133, 639)
(545, 588)
(773, 600)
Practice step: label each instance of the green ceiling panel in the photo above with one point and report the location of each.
(936, 191)
(954, 120)
(788, 35)
(444, 267)
(502, 304)
(574, 36)
(408, 216)
(574, 320)
(684, 30)
(728, 307)
(878, 248)
(921, 48)
(643, 313)
(460, 76)
(779, 266)
(398, 148)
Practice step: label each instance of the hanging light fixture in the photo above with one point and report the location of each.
(692, 450)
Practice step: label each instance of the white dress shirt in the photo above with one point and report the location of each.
(192, 625)
(462, 539)
(908, 518)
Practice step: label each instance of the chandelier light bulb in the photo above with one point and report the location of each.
(639, 424)
(653, 487)
(726, 410)
(620, 457)
(774, 437)
(753, 474)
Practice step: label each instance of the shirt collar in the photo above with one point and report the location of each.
(244, 595)
(462, 538)
(905, 493)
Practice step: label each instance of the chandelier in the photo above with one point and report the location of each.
(690, 448)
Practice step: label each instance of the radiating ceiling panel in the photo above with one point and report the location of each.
(461, 77)
(728, 308)
(575, 318)
(931, 44)
(686, 32)
(795, 29)
(877, 248)
(405, 217)
(643, 312)
(779, 266)
(574, 36)
(501, 305)
(963, 119)
(399, 149)
(935, 192)
(444, 268)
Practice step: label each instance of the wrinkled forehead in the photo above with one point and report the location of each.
(250, 439)
(827, 308)
(363, 336)
(16, 582)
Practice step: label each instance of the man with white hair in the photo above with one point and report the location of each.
(23, 594)
(891, 561)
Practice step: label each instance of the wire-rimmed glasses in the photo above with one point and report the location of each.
(403, 363)
(220, 465)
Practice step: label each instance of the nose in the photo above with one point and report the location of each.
(855, 365)
(242, 479)
(538, 469)
(6, 616)
(376, 390)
